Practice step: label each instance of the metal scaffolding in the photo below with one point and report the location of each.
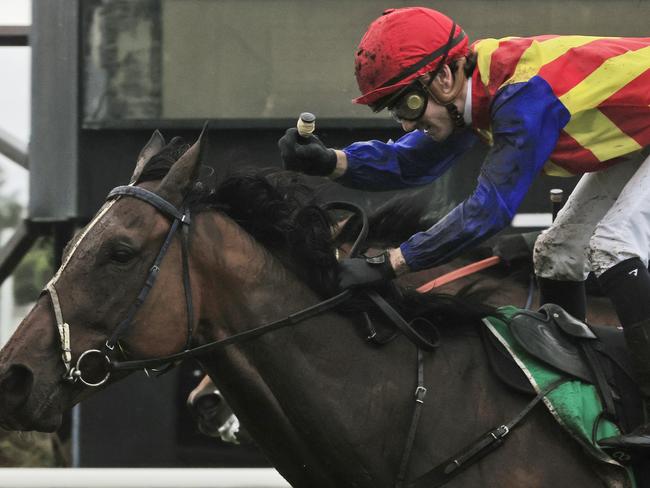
(26, 233)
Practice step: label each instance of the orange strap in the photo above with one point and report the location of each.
(459, 273)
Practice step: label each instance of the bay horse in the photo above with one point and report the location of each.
(336, 410)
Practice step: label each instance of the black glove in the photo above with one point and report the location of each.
(368, 271)
(515, 247)
(307, 155)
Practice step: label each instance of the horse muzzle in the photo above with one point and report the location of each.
(16, 384)
(16, 394)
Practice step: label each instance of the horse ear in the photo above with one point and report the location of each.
(151, 148)
(181, 176)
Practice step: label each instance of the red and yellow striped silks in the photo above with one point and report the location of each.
(604, 83)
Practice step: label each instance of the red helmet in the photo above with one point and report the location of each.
(402, 45)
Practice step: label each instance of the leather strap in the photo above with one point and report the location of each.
(445, 471)
(420, 393)
(185, 251)
(360, 213)
(602, 385)
(246, 335)
(64, 330)
(373, 335)
(144, 292)
(151, 198)
(402, 324)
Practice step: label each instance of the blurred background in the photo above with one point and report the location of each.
(84, 84)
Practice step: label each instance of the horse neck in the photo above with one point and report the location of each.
(243, 285)
(259, 378)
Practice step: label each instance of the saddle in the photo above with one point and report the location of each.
(595, 355)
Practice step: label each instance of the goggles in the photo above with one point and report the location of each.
(411, 105)
(411, 102)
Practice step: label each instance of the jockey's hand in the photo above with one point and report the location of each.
(355, 272)
(515, 247)
(306, 154)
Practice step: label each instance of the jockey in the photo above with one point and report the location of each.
(560, 105)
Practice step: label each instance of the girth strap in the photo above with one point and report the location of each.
(445, 471)
(420, 393)
(602, 385)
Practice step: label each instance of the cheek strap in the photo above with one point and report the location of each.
(455, 115)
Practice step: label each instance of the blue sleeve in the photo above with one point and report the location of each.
(415, 159)
(526, 122)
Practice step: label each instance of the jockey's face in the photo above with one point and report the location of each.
(435, 121)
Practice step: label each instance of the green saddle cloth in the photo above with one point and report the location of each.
(574, 404)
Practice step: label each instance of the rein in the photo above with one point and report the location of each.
(292, 319)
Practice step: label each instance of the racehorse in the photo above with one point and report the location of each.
(337, 410)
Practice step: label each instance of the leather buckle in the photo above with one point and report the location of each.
(379, 259)
(500, 432)
(420, 393)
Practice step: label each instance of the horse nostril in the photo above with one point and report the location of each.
(15, 386)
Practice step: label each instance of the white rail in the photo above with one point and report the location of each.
(541, 220)
(141, 478)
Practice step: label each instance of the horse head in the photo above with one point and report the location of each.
(91, 296)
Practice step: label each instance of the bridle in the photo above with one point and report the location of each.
(180, 220)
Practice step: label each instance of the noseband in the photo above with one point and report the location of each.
(180, 220)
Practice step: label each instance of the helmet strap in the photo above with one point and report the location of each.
(456, 117)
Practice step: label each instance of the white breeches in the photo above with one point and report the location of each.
(605, 220)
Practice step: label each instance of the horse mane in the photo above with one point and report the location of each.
(277, 208)
(281, 211)
(394, 221)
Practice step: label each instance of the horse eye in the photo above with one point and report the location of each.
(122, 255)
